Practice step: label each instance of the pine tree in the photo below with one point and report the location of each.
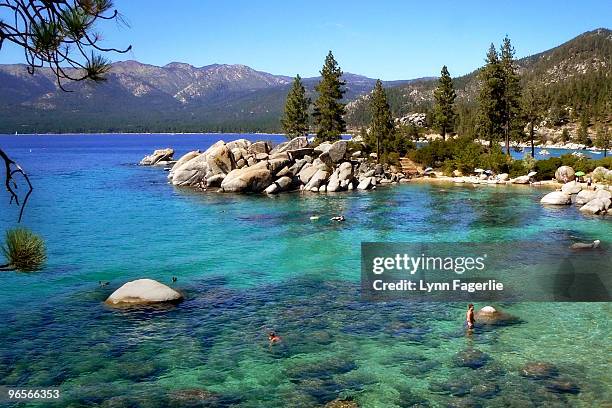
(328, 108)
(381, 126)
(295, 119)
(582, 136)
(490, 99)
(603, 140)
(511, 94)
(531, 112)
(444, 111)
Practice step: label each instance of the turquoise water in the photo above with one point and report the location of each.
(249, 264)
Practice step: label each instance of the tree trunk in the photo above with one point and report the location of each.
(531, 137)
(507, 137)
(377, 150)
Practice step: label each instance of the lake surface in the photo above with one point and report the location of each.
(249, 264)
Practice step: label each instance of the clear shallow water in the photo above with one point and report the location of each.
(248, 264)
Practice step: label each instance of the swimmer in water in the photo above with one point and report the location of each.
(469, 317)
(338, 218)
(273, 338)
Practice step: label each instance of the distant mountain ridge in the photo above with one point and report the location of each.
(146, 98)
(566, 69)
(179, 97)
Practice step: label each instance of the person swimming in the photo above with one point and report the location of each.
(273, 338)
(339, 218)
(469, 317)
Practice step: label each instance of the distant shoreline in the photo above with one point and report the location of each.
(140, 133)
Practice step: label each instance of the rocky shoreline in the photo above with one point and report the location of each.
(242, 166)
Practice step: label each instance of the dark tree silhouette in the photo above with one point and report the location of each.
(59, 34)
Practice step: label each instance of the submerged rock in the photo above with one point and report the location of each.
(485, 390)
(471, 358)
(341, 403)
(143, 291)
(539, 370)
(563, 386)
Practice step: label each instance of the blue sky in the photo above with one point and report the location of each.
(380, 39)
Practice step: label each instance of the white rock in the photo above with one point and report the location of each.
(307, 172)
(573, 187)
(142, 291)
(585, 196)
(365, 183)
(603, 194)
(317, 179)
(488, 309)
(596, 206)
(253, 179)
(521, 180)
(556, 198)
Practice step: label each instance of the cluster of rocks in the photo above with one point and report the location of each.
(241, 166)
(161, 157)
(598, 201)
(416, 119)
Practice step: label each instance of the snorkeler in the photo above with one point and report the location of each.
(469, 317)
(338, 218)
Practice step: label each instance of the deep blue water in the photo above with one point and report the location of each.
(250, 263)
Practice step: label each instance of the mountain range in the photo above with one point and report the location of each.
(179, 97)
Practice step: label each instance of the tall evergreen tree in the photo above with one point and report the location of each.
(511, 94)
(490, 99)
(444, 109)
(532, 113)
(582, 136)
(602, 140)
(295, 119)
(328, 108)
(381, 126)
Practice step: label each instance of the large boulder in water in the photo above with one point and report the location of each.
(556, 198)
(248, 179)
(318, 179)
(596, 206)
(143, 291)
(573, 187)
(191, 172)
(565, 174)
(157, 156)
(490, 316)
